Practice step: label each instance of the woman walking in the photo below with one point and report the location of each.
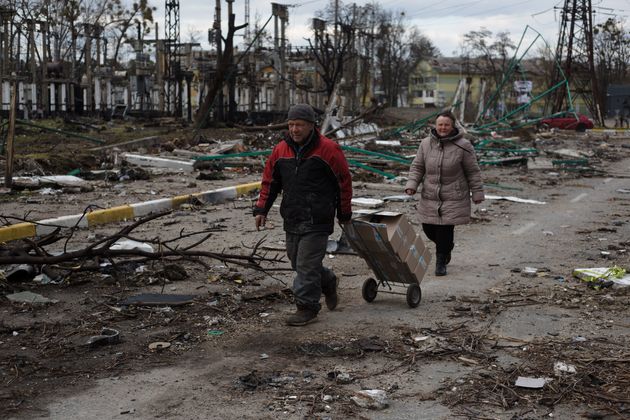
(447, 168)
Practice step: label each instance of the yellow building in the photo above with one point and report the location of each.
(444, 81)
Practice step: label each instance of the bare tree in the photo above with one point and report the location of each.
(331, 55)
(222, 74)
(612, 54)
(488, 55)
(399, 49)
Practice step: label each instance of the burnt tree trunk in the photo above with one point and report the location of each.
(224, 66)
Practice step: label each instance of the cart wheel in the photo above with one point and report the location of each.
(370, 288)
(414, 294)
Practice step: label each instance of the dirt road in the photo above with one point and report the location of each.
(458, 354)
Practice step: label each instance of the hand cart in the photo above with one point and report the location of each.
(390, 271)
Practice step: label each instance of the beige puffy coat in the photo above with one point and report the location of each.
(448, 171)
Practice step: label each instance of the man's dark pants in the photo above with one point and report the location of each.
(306, 252)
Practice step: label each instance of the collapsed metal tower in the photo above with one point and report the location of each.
(574, 54)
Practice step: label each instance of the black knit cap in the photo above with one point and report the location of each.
(302, 112)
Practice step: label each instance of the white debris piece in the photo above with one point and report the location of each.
(375, 399)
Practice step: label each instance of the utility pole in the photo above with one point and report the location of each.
(88, 67)
(280, 12)
(319, 26)
(574, 55)
(218, 40)
(10, 148)
(231, 82)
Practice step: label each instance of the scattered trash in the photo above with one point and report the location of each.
(108, 336)
(340, 246)
(515, 199)
(159, 345)
(375, 399)
(264, 356)
(615, 274)
(130, 245)
(468, 360)
(421, 338)
(391, 143)
(42, 279)
(367, 202)
(578, 339)
(29, 297)
(20, 273)
(343, 378)
(533, 383)
(398, 198)
(215, 333)
(150, 299)
(48, 191)
(561, 368)
(623, 191)
(529, 272)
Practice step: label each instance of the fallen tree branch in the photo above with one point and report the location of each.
(34, 252)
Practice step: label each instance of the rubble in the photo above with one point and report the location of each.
(188, 281)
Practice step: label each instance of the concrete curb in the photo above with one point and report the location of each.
(121, 213)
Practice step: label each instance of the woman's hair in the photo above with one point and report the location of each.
(447, 114)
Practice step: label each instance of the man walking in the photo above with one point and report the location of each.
(313, 175)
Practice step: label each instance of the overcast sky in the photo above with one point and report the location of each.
(444, 22)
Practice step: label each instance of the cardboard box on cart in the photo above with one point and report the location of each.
(418, 258)
(385, 240)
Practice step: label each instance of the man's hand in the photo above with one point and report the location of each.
(261, 220)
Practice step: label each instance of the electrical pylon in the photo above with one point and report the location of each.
(172, 60)
(574, 56)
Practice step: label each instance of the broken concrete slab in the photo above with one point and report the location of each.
(159, 162)
(540, 164)
(30, 297)
(572, 153)
(131, 144)
(51, 181)
(532, 383)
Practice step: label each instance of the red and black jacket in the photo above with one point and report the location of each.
(315, 183)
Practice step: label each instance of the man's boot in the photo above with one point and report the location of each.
(440, 265)
(301, 317)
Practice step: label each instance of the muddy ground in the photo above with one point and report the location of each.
(227, 352)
